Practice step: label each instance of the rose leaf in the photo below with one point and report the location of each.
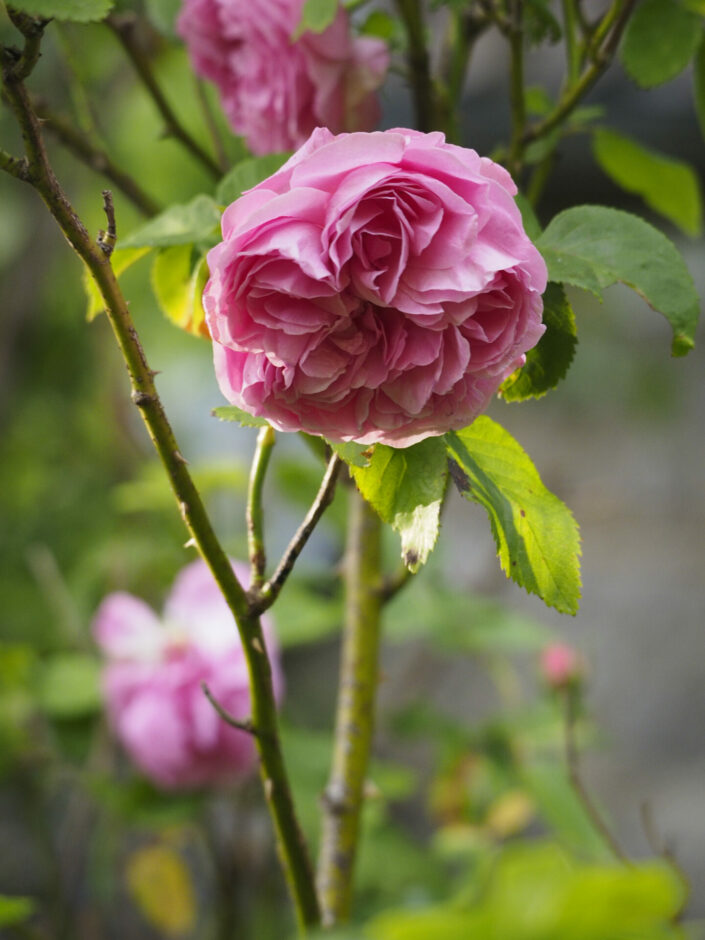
(548, 362)
(537, 538)
(233, 413)
(659, 41)
(181, 224)
(246, 174)
(594, 247)
(405, 487)
(78, 11)
(178, 286)
(666, 185)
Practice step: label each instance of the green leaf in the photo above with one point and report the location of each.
(178, 287)
(232, 413)
(699, 85)
(15, 910)
(355, 455)
(666, 185)
(382, 25)
(659, 41)
(69, 685)
(548, 362)
(246, 174)
(537, 538)
(121, 259)
(593, 247)
(316, 16)
(540, 24)
(405, 487)
(537, 100)
(79, 11)
(191, 222)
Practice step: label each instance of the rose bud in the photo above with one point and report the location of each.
(153, 675)
(562, 666)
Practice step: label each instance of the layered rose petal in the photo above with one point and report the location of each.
(379, 288)
(153, 681)
(276, 90)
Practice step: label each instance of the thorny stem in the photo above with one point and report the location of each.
(255, 513)
(37, 171)
(359, 677)
(419, 65)
(125, 28)
(263, 598)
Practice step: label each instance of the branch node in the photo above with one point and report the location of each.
(142, 399)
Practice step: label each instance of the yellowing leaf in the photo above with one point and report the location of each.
(179, 288)
(121, 259)
(159, 883)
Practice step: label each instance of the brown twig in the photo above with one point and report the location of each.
(81, 147)
(124, 26)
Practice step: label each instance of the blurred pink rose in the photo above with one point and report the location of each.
(152, 681)
(275, 91)
(378, 287)
(561, 665)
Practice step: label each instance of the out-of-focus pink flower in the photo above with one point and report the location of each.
(377, 288)
(276, 90)
(562, 666)
(152, 681)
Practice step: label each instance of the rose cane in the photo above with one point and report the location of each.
(154, 674)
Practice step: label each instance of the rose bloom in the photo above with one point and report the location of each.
(378, 287)
(152, 681)
(561, 666)
(276, 90)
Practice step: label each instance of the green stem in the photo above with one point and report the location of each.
(601, 53)
(569, 29)
(269, 591)
(255, 514)
(516, 87)
(125, 28)
(418, 61)
(39, 174)
(359, 675)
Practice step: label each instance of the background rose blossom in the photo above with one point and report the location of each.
(379, 287)
(275, 91)
(152, 682)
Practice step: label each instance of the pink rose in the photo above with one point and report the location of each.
(152, 682)
(561, 666)
(378, 287)
(275, 91)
